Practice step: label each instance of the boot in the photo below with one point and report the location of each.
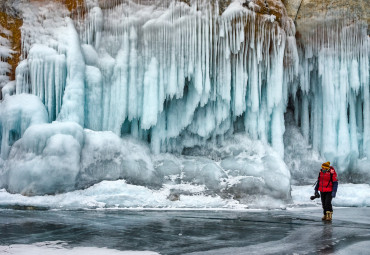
(324, 217)
(329, 215)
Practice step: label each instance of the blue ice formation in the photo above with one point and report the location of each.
(177, 77)
(185, 80)
(332, 95)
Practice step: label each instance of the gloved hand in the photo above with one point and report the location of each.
(316, 193)
(333, 194)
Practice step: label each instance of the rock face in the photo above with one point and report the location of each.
(12, 23)
(11, 20)
(309, 12)
(301, 9)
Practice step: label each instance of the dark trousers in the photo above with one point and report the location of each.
(326, 201)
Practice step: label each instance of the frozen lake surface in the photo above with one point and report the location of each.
(297, 230)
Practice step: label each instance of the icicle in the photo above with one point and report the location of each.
(163, 72)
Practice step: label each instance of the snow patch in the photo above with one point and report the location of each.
(61, 248)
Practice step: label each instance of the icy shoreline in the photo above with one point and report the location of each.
(118, 195)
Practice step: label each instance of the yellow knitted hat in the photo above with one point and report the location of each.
(325, 165)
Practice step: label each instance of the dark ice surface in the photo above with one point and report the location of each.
(292, 231)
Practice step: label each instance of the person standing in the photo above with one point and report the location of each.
(327, 184)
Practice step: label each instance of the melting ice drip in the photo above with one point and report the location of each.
(175, 76)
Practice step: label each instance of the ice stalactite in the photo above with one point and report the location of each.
(53, 67)
(179, 71)
(5, 54)
(181, 76)
(164, 73)
(333, 110)
(44, 66)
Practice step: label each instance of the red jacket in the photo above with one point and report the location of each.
(324, 183)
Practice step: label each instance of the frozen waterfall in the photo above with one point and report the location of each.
(180, 93)
(331, 98)
(175, 76)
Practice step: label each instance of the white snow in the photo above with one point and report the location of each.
(120, 195)
(61, 248)
(348, 195)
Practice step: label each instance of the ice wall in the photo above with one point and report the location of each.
(183, 75)
(184, 78)
(332, 95)
(174, 75)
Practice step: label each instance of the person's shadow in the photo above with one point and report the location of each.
(326, 242)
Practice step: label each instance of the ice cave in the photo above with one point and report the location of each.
(175, 103)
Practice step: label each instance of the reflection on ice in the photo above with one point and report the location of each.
(293, 231)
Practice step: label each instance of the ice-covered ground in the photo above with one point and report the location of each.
(291, 231)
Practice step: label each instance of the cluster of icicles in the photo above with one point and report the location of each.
(332, 103)
(175, 76)
(178, 76)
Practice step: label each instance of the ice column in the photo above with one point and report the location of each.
(43, 74)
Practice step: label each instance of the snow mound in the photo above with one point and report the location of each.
(348, 195)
